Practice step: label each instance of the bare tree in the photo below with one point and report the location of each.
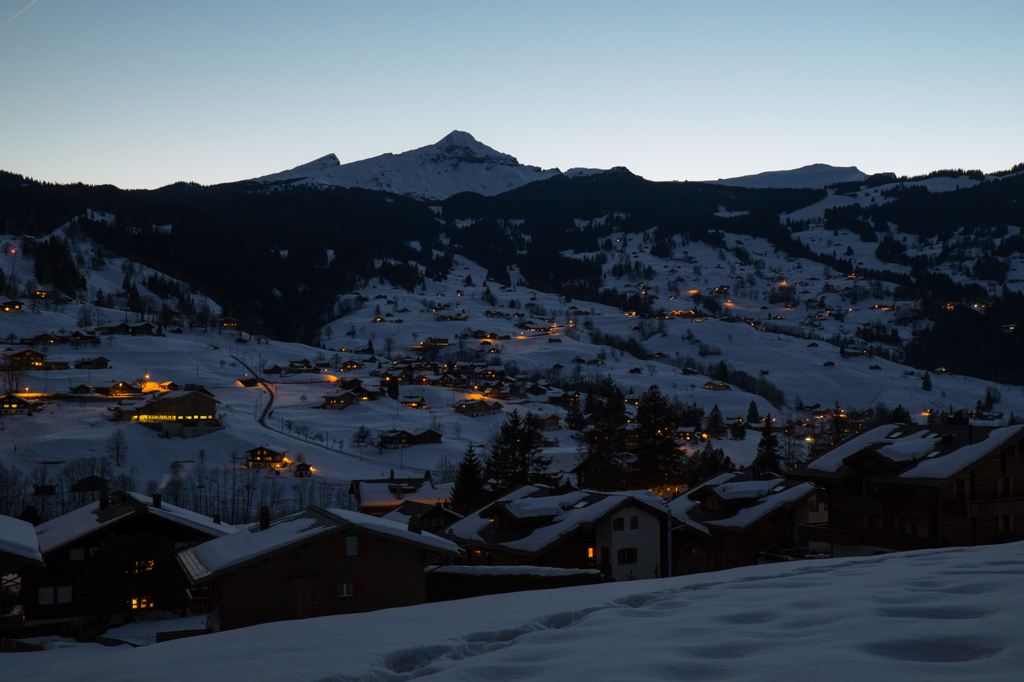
(117, 446)
(457, 430)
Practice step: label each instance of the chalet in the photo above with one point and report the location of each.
(414, 401)
(350, 365)
(43, 340)
(114, 329)
(186, 413)
(435, 342)
(363, 393)
(143, 329)
(55, 365)
(265, 458)
(380, 496)
(418, 516)
(302, 366)
(13, 404)
(303, 470)
(19, 546)
(80, 389)
(339, 400)
(228, 323)
(736, 520)
(118, 389)
(621, 534)
(70, 543)
(905, 486)
(349, 384)
(396, 439)
(273, 369)
(548, 422)
(26, 359)
(476, 408)
(169, 386)
(316, 562)
(176, 330)
(249, 382)
(11, 306)
(92, 363)
(716, 386)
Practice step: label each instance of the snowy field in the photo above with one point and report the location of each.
(928, 616)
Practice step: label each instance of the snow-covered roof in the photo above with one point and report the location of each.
(768, 504)
(949, 464)
(745, 489)
(216, 556)
(373, 493)
(544, 506)
(18, 538)
(89, 519)
(833, 459)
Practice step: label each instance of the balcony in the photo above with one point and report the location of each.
(199, 600)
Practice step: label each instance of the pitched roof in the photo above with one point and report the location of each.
(18, 540)
(87, 520)
(225, 554)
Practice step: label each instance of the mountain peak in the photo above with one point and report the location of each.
(458, 162)
(814, 176)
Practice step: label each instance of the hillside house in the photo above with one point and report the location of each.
(377, 497)
(736, 520)
(415, 402)
(118, 389)
(476, 408)
(904, 487)
(26, 359)
(13, 404)
(92, 363)
(316, 562)
(396, 439)
(185, 414)
(121, 328)
(351, 365)
(621, 534)
(419, 517)
(550, 422)
(265, 458)
(68, 543)
(11, 306)
(338, 400)
(716, 386)
(228, 323)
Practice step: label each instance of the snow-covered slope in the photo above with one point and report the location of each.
(458, 163)
(815, 176)
(953, 614)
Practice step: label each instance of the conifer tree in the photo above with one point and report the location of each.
(716, 423)
(900, 415)
(515, 453)
(753, 416)
(926, 382)
(469, 492)
(707, 463)
(768, 459)
(657, 458)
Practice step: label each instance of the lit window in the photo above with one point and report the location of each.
(590, 552)
(140, 603)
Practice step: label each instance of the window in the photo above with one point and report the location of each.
(45, 596)
(634, 522)
(340, 590)
(618, 524)
(139, 603)
(352, 546)
(76, 554)
(590, 552)
(64, 594)
(627, 555)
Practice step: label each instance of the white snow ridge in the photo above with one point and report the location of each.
(457, 163)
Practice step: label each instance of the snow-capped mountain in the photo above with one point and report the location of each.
(815, 176)
(457, 163)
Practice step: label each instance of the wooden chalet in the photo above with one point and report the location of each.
(265, 458)
(415, 402)
(143, 329)
(350, 365)
(185, 414)
(26, 359)
(396, 439)
(15, 404)
(422, 517)
(906, 486)
(118, 389)
(620, 534)
(316, 562)
(338, 400)
(737, 520)
(476, 408)
(716, 386)
(44, 340)
(11, 306)
(379, 496)
(549, 422)
(121, 328)
(92, 363)
(56, 594)
(303, 366)
(228, 323)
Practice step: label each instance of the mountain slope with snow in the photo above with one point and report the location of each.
(457, 163)
(953, 614)
(815, 176)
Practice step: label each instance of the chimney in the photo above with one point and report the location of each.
(104, 500)
(157, 500)
(264, 517)
(216, 518)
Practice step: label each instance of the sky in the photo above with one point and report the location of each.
(142, 94)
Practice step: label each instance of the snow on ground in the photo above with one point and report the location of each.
(144, 632)
(953, 614)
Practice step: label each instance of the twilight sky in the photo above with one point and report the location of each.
(142, 94)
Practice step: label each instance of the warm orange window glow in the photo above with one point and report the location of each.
(590, 552)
